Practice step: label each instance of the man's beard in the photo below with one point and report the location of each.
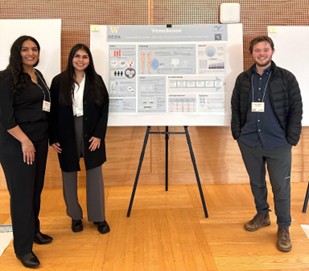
(263, 64)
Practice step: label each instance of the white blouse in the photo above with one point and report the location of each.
(78, 96)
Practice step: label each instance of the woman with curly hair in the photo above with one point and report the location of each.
(24, 107)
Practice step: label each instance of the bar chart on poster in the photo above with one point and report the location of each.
(291, 53)
(168, 75)
(50, 54)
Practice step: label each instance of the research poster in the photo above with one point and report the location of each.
(167, 75)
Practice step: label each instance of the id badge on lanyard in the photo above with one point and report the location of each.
(46, 106)
(257, 106)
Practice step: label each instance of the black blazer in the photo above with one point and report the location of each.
(62, 127)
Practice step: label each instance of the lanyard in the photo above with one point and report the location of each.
(265, 88)
(45, 86)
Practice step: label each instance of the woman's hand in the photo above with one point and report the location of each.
(28, 152)
(56, 147)
(95, 143)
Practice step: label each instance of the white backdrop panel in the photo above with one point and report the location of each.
(46, 31)
(292, 53)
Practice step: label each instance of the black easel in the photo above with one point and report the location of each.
(306, 200)
(167, 133)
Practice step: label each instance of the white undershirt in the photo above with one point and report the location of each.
(78, 98)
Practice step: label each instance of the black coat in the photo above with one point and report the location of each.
(62, 127)
(285, 98)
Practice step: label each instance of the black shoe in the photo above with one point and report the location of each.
(77, 225)
(42, 239)
(29, 260)
(102, 227)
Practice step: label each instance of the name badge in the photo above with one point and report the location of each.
(46, 106)
(257, 107)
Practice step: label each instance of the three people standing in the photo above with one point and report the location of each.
(266, 122)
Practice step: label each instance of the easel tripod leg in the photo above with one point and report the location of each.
(138, 170)
(306, 200)
(196, 171)
(166, 158)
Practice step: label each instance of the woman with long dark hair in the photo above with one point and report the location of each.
(24, 107)
(79, 115)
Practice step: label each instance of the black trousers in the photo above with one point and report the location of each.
(25, 183)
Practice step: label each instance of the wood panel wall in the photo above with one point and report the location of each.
(217, 155)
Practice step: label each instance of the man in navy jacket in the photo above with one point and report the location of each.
(266, 122)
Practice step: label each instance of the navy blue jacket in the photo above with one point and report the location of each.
(285, 100)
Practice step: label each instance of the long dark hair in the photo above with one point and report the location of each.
(15, 66)
(94, 81)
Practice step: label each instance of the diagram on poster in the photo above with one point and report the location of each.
(167, 76)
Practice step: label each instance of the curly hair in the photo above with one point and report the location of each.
(15, 66)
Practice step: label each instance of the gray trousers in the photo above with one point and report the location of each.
(94, 186)
(278, 163)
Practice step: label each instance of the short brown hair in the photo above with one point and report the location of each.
(260, 39)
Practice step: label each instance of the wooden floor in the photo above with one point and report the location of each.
(166, 231)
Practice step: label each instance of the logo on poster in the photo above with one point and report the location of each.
(114, 33)
(114, 29)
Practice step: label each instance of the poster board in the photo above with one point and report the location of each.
(46, 31)
(168, 75)
(291, 53)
